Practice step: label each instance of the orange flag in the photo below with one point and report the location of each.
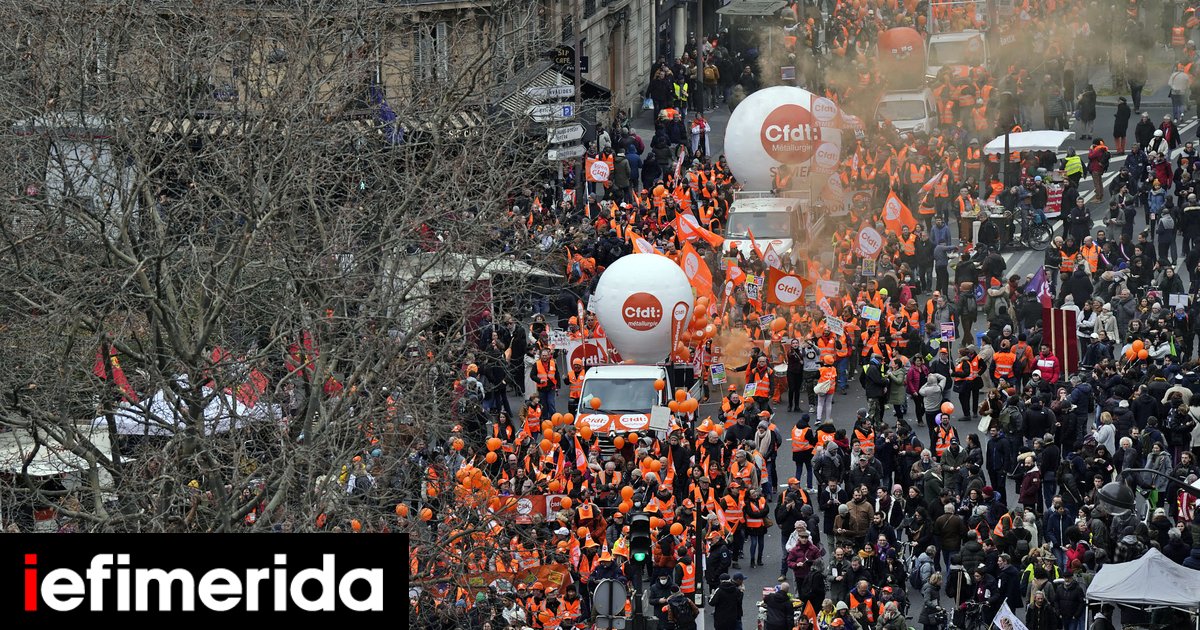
(696, 270)
(897, 215)
(689, 229)
(785, 289)
(640, 245)
(754, 244)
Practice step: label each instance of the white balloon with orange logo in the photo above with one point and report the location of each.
(785, 127)
(644, 302)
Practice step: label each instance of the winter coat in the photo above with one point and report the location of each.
(932, 392)
(727, 606)
(1121, 120)
(896, 391)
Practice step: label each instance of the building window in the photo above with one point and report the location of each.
(432, 51)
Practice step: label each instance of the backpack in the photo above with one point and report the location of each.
(1105, 156)
(710, 74)
(682, 612)
(914, 575)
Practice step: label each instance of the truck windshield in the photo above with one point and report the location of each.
(763, 224)
(901, 110)
(620, 395)
(955, 53)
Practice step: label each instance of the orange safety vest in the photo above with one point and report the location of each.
(999, 530)
(576, 384)
(756, 522)
(1004, 364)
(547, 377)
(761, 380)
(917, 175)
(1068, 262)
(865, 437)
(944, 435)
(800, 437)
(688, 583)
(733, 511)
(941, 188)
(824, 437)
(909, 244)
(828, 375)
(868, 603)
(1092, 254)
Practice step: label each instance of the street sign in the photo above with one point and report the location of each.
(569, 133)
(547, 113)
(551, 91)
(563, 55)
(564, 153)
(608, 600)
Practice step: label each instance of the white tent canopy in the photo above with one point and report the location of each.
(163, 415)
(1152, 580)
(1044, 140)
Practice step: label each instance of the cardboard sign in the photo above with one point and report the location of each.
(717, 373)
(826, 307)
(1178, 299)
(830, 287)
(871, 313)
(836, 326)
(751, 289)
(947, 330)
(748, 392)
(1054, 194)
(764, 322)
(559, 338)
(868, 268)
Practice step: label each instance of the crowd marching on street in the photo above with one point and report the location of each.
(967, 484)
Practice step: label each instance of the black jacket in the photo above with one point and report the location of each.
(779, 611)
(727, 605)
(1009, 585)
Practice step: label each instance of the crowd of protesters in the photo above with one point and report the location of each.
(969, 481)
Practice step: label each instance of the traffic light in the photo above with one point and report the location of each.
(639, 537)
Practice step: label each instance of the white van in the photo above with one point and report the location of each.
(775, 221)
(908, 110)
(959, 51)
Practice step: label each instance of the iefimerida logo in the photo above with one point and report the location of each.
(164, 589)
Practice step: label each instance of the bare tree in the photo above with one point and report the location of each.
(221, 196)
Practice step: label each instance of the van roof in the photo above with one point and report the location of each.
(897, 95)
(765, 204)
(627, 371)
(953, 37)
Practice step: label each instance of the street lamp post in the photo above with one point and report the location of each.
(1119, 498)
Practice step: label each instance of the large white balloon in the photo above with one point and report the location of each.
(788, 126)
(643, 302)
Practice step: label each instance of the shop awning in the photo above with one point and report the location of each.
(753, 8)
(514, 100)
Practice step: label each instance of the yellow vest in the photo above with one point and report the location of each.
(1073, 165)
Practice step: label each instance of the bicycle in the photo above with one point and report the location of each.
(1028, 233)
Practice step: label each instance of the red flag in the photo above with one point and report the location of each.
(785, 289)
(896, 215)
(113, 370)
(734, 274)
(1061, 337)
(249, 392)
(641, 245)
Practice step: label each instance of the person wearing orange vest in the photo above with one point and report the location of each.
(967, 381)
(575, 382)
(1005, 359)
(545, 374)
(827, 383)
(685, 574)
(731, 505)
(757, 511)
(804, 440)
(759, 375)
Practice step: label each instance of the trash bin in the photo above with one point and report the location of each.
(1004, 222)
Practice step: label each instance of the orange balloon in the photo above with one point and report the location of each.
(673, 406)
(685, 355)
(547, 425)
(627, 493)
(546, 433)
(656, 523)
(426, 514)
(401, 510)
(618, 442)
(568, 418)
(490, 457)
(676, 529)
(546, 444)
(494, 444)
(690, 405)
(565, 503)
(655, 465)
(659, 385)
(710, 330)
(680, 394)
(585, 432)
(633, 438)
(555, 437)
(1138, 345)
(554, 486)
(355, 525)
(646, 461)
(947, 407)
(1130, 354)
(1143, 354)
(582, 532)
(686, 336)
(556, 419)
(625, 506)
(457, 444)
(778, 324)
(595, 403)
